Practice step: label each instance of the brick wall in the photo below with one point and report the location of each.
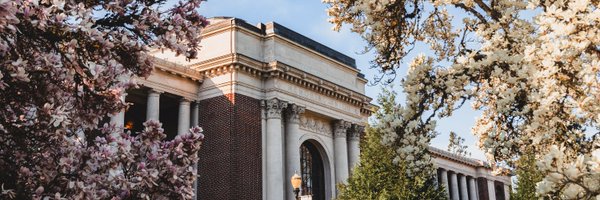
(230, 158)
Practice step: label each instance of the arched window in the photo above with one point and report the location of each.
(313, 179)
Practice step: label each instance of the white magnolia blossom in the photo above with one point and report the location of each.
(536, 81)
(403, 130)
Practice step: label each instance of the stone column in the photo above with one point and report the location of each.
(506, 192)
(292, 145)
(183, 125)
(195, 115)
(463, 188)
(340, 151)
(119, 118)
(153, 105)
(276, 180)
(491, 190)
(454, 186)
(473, 189)
(444, 176)
(353, 145)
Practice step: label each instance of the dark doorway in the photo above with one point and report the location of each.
(135, 116)
(313, 175)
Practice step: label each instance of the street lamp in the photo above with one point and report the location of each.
(296, 182)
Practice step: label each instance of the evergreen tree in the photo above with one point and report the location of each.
(379, 175)
(456, 145)
(527, 177)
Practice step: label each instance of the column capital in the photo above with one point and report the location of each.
(356, 132)
(340, 128)
(293, 113)
(274, 107)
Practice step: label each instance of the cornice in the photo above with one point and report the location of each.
(245, 64)
(175, 69)
(161, 88)
(456, 158)
(319, 85)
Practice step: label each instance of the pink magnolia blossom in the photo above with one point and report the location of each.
(65, 66)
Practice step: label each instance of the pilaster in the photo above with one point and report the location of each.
(276, 180)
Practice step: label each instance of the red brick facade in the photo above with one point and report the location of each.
(230, 158)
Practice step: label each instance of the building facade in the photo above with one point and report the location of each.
(272, 103)
(469, 179)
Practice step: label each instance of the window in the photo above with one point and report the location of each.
(313, 183)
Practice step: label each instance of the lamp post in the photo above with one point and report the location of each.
(296, 182)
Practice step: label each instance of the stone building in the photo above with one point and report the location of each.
(271, 102)
(469, 179)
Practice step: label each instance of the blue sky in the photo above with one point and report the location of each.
(310, 19)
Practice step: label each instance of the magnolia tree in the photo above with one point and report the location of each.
(531, 67)
(65, 67)
(455, 145)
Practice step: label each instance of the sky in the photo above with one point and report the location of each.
(309, 18)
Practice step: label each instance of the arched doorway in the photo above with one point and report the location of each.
(312, 171)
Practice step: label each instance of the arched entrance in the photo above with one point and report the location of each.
(312, 171)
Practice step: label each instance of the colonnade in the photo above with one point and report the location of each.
(188, 113)
(187, 118)
(283, 147)
(466, 187)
